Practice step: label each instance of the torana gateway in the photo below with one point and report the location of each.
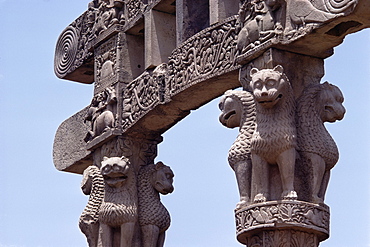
(153, 61)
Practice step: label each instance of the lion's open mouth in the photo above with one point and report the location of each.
(115, 178)
(229, 114)
(270, 101)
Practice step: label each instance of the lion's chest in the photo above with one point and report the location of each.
(118, 207)
(273, 136)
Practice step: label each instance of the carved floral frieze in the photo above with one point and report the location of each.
(283, 213)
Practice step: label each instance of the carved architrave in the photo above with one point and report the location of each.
(144, 93)
(209, 53)
(282, 215)
(71, 52)
(266, 23)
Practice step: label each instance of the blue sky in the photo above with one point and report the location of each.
(40, 206)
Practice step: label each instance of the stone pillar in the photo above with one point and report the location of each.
(160, 37)
(283, 154)
(191, 17)
(220, 10)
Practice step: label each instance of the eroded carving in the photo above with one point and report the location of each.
(154, 218)
(260, 21)
(238, 110)
(264, 23)
(318, 104)
(274, 140)
(145, 92)
(104, 14)
(101, 113)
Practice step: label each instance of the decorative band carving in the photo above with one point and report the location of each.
(283, 215)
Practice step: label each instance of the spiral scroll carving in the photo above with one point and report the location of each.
(66, 51)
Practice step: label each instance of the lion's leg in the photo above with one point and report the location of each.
(105, 236)
(243, 177)
(161, 238)
(127, 234)
(324, 185)
(260, 179)
(150, 235)
(286, 163)
(318, 170)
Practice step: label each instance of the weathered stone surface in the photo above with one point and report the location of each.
(154, 61)
(69, 150)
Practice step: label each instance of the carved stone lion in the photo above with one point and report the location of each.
(93, 185)
(274, 139)
(318, 104)
(238, 110)
(154, 218)
(119, 207)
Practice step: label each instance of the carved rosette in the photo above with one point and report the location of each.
(282, 221)
(210, 52)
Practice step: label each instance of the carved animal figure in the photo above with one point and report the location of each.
(238, 110)
(119, 207)
(93, 185)
(260, 22)
(274, 139)
(154, 218)
(318, 104)
(100, 113)
(301, 12)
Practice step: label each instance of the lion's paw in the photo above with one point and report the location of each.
(289, 195)
(259, 198)
(243, 203)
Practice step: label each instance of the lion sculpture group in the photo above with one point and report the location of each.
(121, 202)
(277, 129)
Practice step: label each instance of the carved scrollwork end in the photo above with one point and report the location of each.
(66, 51)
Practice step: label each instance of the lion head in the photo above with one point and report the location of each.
(115, 170)
(268, 85)
(330, 101)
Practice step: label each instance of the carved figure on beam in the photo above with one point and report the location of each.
(101, 113)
